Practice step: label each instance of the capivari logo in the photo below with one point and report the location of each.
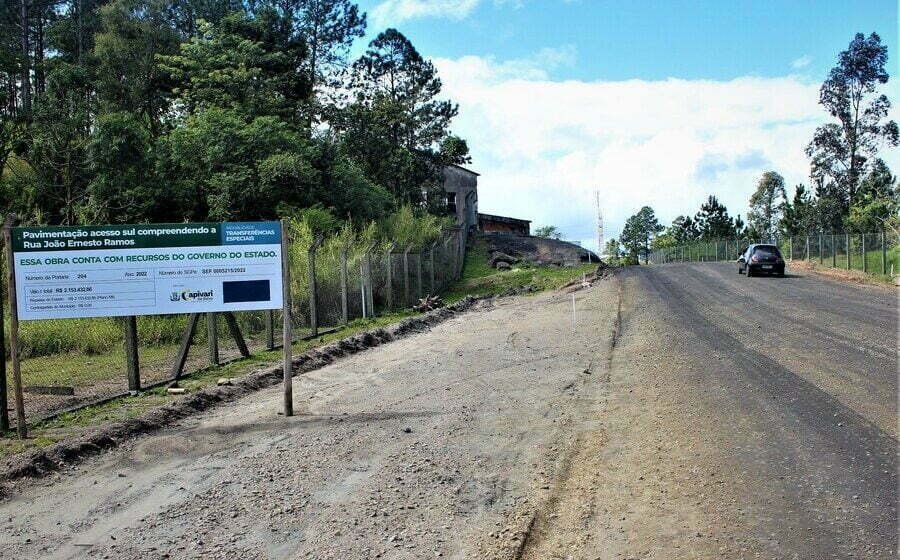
(192, 295)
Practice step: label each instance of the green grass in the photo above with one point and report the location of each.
(872, 260)
(479, 279)
(71, 424)
(84, 362)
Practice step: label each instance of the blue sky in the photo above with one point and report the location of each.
(656, 103)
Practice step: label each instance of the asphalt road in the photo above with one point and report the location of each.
(683, 412)
(798, 376)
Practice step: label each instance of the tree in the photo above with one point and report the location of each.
(613, 253)
(248, 65)
(878, 200)
(612, 250)
(396, 125)
(798, 216)
(683, 229)
(455, 150)
(548, 232)
(664, 240)
(638, 233)
(713, 221)
(841, 151)
(56, 145)
(739, 227)
(766, 205)
(328, 28)
(226, 169)
(132, 35)
(125, 187)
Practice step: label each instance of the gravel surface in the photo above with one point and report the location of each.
(692, 413)
(414, 449)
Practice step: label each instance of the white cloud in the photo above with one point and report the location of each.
(801, 62)
(392, 12)
(543, 146)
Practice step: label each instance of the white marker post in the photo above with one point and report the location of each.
(573, 313)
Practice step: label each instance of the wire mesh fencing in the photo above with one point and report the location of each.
(68, 364)
(872, 253)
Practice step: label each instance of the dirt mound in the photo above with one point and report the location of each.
(510, 248)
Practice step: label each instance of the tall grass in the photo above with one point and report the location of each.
(102, 335)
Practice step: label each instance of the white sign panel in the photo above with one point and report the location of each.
(154, 269)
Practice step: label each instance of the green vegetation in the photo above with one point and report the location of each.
(72, 423)
(478, 278)
(191, 110)
(77, 367)
(854, 190)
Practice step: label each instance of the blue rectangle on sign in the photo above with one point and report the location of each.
(246, 290)
(251, 233)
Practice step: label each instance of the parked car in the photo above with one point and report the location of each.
(761, 259)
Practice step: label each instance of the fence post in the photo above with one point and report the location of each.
(847, 241)
(865, 260)
(132, 361)
(287, 359)
(431, 266)
(389, 266)
(270, 330)
(212, 339)
(370, 292)
(821, 261)
(807, 247)
(833, 252)
(21, 427)
(343, 266)
(362, 289)
(4, 411)
(313, 310)
(419, 287)
(406, 275)
(883, 254)
(444, 263)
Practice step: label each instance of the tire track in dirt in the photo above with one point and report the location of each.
(561, 521)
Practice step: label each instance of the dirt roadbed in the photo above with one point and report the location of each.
(418, 448)
(668, 418)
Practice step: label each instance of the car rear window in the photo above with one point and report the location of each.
(768, 251)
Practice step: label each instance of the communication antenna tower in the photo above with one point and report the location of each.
(599, 223)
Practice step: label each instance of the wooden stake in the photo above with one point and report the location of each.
(406, 275)
(21, 428)
(132, 361)
(287, 365)
(235, 331)
(389, 262)
(270, 330)
(186, 339)
(212, 339)
(313, 287)
(345, 314)
(4, 401)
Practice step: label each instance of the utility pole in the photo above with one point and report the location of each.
(600, 239)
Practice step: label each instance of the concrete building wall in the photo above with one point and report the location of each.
(461, 186)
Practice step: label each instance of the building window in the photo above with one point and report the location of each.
(451, 203)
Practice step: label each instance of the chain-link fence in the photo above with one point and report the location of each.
(70, 363)
(873, 253)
